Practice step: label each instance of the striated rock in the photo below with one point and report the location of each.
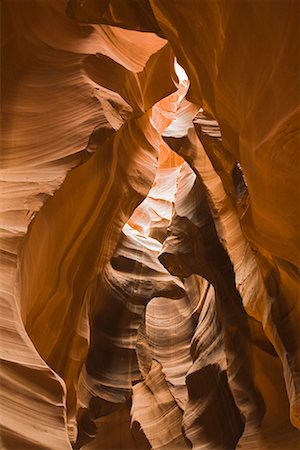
(149, 225)
(118, 300)
(193, 247)
(57, 70)
(211, 418)
(153, 407)
(170, 326)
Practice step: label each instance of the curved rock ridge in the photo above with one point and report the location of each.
(220, 69)
(265, 62)
(169, 328)
(251, 282)
(51, 104)
(134, 275)
(193, 247)
(150, 225)
(211, 418)
(154, 406)
(118, 300)
(135, 173)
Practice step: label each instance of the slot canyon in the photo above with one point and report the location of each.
(150, 224)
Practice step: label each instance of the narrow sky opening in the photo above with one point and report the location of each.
(180, 72)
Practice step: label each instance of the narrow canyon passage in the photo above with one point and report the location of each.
(150, 225)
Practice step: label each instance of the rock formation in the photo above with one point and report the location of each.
(150, 225)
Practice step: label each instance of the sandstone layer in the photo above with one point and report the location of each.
(150, 225)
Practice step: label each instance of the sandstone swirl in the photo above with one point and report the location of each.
(150, 225)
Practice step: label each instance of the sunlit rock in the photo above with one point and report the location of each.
(150, 225)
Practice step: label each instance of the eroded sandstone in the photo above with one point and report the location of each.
(150, 225)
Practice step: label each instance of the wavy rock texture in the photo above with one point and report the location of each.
(119, 297)
(150, 225)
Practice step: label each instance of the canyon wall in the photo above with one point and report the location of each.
(150, 224)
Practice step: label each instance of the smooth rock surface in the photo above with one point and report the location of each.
(150, 224)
